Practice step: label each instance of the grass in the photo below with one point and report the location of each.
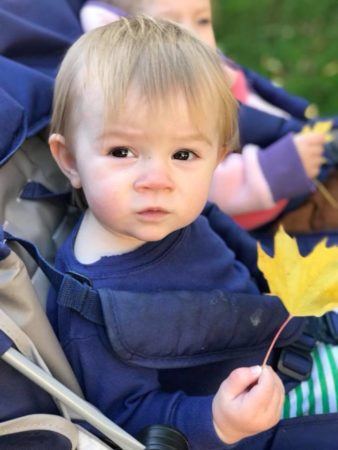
(293, 42)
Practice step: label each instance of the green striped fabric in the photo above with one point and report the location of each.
(319, 394)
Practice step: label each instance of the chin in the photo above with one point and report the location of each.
(153, 236)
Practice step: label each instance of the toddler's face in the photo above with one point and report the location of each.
(144, 175)
(195, 15)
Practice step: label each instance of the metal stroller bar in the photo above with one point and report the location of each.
(91, 414)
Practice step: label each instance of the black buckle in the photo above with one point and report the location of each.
(331, 320)
(305, 343)
(295, 363)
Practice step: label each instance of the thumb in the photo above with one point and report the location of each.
(240, 380)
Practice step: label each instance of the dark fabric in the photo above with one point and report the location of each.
(263, 129)
(78, 296)
(276, 95)
(37, 191)
(195, 412)
(33, 39)
(228, 267)
(150, 331)
(35, 440)
(317, 432)
(54, 276)
(305, 241)
(157, 317)
(4, 249)
(20, 396)
(5, 343)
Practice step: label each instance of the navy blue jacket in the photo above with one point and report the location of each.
(158, 356)
(261, 128)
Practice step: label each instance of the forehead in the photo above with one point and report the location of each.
(171, 116)
(158, 7)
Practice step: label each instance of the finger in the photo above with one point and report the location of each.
(262, 392)
(240, 380)
(315, 151)
(278, 396)
(314, 137)
(271, 398)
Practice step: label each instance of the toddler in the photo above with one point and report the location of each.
(142, 116)
(255, 180)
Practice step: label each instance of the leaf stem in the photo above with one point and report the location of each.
(275, 339)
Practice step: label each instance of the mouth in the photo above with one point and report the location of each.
(152, 214)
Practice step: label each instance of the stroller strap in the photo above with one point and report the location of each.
(37, 191)
(74, 290)
(54, 276)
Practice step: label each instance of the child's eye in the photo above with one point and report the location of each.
(121, 152)
(184, 155)
(204, 21)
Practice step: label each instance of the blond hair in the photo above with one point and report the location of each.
(160, 59)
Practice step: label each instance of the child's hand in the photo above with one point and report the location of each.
(248, 402)
(310, 148)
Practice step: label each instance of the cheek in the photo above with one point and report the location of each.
(102, 193)
(206, 34)
(198, 187)
(106, 205)
(211, 39)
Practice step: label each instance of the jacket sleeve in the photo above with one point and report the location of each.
(255, 179)
(263, 129)
(238, 240)
(294, 105)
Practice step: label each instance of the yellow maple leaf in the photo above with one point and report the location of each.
(307, 286)
(323, 127)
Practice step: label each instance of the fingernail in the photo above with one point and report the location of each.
(256, 370)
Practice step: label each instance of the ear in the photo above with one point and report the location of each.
(65, 159)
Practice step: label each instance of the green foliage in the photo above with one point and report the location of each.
(293, 42)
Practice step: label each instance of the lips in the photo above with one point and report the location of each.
(153, 213)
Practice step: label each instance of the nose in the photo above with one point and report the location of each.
(154, 176)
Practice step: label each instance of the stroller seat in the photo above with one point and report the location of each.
(41, 398)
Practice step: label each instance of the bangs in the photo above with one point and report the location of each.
(161, 61)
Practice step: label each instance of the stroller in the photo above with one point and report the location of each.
(41, 401)
(29, 346)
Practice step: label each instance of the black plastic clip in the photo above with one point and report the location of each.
(295, 363)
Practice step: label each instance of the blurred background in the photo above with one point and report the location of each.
(293, 42)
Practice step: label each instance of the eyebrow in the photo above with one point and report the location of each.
(194, 137)
(120, 132)
(197, 137)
